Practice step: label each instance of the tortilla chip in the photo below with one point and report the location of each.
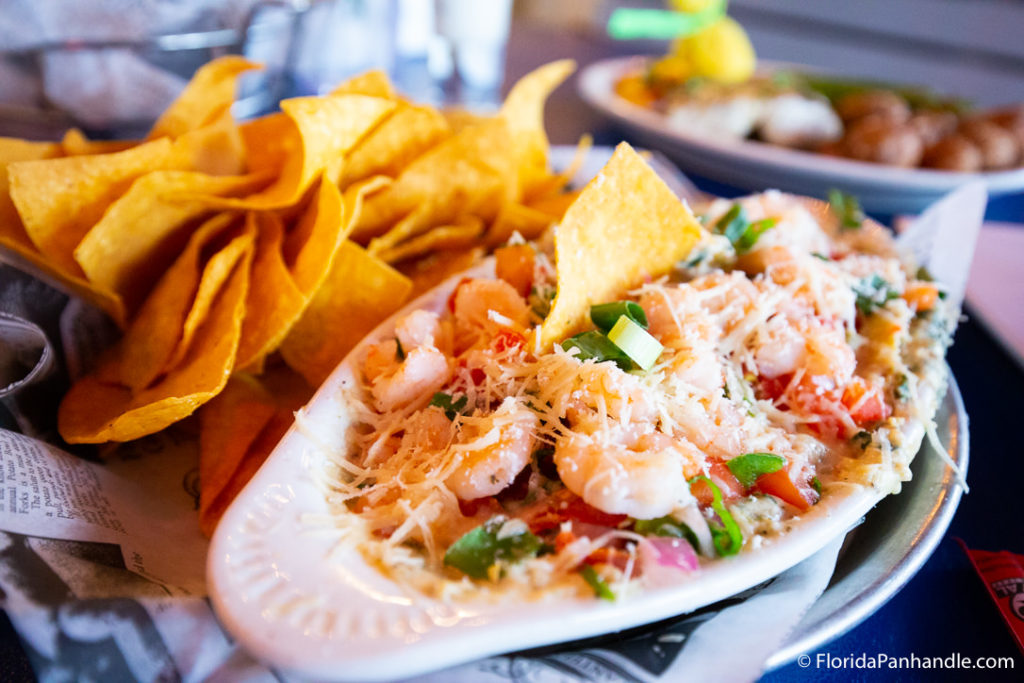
(217, 148)
(459, 119)
(94, 411)
(269, 141)
(311, 244)
(157, 330)
(470, 173)
(463, 233)
(513, 218)
(238, 430)
(433, 269)
(554, 206)
(274, 301)
(524, 111)
(374, 83)
(145, 229)
(12, 232)
(406, 134)
(359, 293)
(625, 225)
(74, 143)
(22, 253)
(553, 185)
(208, 95)
(328, 127)
(228, 426)
(59, 200)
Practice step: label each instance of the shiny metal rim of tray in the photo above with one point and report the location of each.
(897, 537)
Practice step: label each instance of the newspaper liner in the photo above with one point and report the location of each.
(103, 564)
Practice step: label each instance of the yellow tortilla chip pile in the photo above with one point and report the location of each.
(233, 253)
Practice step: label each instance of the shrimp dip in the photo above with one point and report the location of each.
(793, 355)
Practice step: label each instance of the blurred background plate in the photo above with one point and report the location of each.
(755, 165)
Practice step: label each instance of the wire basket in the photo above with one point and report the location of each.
(268, 34)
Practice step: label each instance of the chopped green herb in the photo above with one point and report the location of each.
(873, 293)
(478, 550)
(847, 209)
(726, 537)
(903, 388)
(816, 485)
(451, 407)
(636, 342)
(593, 344)
(924, 275)
(665, 526)
(819, 255)
(862, 439)
(605, 316)
(738, 229)
(599, 585)
(749, 466)
(540, 301)
(399, 351)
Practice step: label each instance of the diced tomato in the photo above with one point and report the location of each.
(726, 481)
(455, 292)
(780, 485)
(921, 296)
(514, 265)
(566, 506)
(772, 387)
(507, 339)
(472, 508)
(865, 402)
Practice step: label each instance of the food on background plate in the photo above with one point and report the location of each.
(235, 254)
(867, 121)
(581, 424)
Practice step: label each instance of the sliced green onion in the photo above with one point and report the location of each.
(847, 209)
(738, 229)
(479, 549)
(636, 342)
(732, 223)
(873, 293)
(668, 527)
(599, 585)
(450, 407)
(606, 315)
(727, 537)
(753, 232)
(749, 466)
(593, 344)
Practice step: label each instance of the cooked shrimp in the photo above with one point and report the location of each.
(818, 349)
(678, 320)
(586, 393)
(482, 308)
(399, 378)
(633, 471)
(492, 450)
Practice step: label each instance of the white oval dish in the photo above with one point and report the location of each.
(282, 586)
(755, 165)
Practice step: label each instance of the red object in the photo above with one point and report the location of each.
(1003, 575)
(566, 506)
(779, 484)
